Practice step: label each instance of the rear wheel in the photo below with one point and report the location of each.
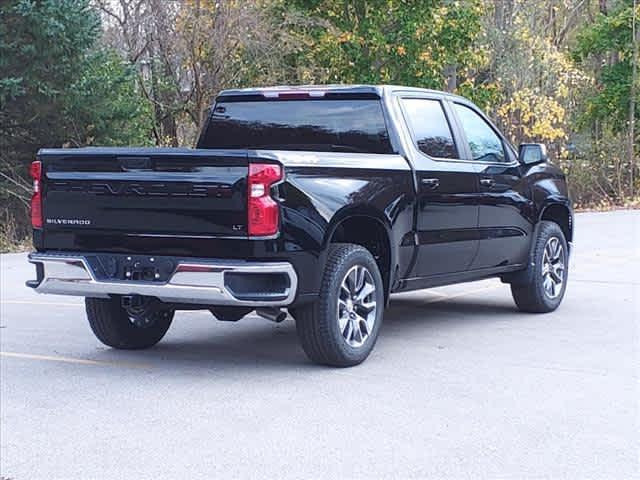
(541, 287)
(341, 328)
(117, 328)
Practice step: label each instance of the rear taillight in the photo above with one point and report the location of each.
(263, 211)
(36, 198)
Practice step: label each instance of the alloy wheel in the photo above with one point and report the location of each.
(553, 267)
(356, 309)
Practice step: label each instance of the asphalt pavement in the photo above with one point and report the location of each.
(460, 385)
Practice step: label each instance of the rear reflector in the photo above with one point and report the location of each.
(36, 198)
(263, 211)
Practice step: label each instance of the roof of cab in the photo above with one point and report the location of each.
(379, 90)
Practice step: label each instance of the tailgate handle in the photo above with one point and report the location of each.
(135, 163)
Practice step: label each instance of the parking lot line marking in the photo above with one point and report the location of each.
(28, 302)
(81, 361)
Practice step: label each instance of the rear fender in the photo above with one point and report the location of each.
(365, 211)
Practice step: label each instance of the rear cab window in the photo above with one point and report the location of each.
(335, 125)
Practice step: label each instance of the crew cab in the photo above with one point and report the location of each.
(319, 201)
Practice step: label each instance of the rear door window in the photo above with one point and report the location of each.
(310, 125)
(430, 128)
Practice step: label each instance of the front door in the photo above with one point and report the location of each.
(447, 212)
(503, 226)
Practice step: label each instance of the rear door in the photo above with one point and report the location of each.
(155, 192)
(503, 225)
(447, 212)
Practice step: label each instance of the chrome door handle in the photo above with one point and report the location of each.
(487, 182)
(432, 183)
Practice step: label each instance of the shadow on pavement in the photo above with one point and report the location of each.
(255, 343)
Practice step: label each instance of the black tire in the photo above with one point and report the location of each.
(111, 324)
(317, 323)
(528, 289)
(294, 312)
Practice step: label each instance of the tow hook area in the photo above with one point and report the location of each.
(140, 309)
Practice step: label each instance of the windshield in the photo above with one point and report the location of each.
(311, 125)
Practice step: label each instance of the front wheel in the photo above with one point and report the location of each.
(116, 328)
(341, 328)
(541, 287)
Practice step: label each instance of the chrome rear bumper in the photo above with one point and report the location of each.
(197, 282)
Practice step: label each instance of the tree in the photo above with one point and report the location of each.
(608, 47)
(609, 37)
(425, 43)
(185, 52)
(42, 47)
(635, 38)
(536, 80)
(57, 89)
(106, 107)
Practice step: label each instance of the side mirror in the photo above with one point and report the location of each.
(530, 153)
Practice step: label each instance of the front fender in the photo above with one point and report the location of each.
(548, 187)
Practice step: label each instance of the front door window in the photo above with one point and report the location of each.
(484, 142)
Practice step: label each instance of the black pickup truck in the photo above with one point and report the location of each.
(320, 201)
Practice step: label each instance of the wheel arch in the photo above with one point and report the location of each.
(561, 214)
(369, 228)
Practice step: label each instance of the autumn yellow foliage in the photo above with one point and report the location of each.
(533, 116)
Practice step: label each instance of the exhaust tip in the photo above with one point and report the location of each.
(272, 314)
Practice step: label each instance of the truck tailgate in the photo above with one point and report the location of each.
(154, 191)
